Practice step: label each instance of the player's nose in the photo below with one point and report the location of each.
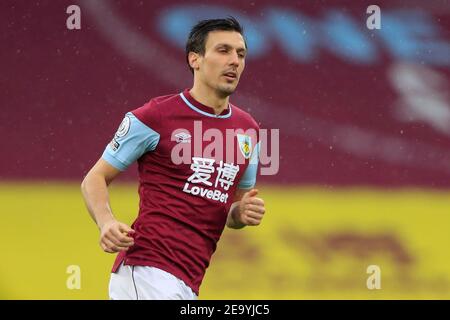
(234, 59)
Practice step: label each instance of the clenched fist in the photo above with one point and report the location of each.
(250, 210)
(114, 236)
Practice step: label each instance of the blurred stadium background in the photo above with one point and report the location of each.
(364, 119)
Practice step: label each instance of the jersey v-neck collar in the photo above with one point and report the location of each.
(203, 109)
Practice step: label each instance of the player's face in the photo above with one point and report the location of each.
(223, 62)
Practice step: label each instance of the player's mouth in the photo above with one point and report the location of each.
(230, 75)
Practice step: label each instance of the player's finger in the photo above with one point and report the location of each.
(255, 200)
(108, 244)
(251, 193)
(115, 248)
(124, 228)
(252, 221)
(105, 248)
(254, 215)
(121, 237)
(117, 242)
(111, 238)
(255, 208)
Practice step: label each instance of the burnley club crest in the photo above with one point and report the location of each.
(245, 145)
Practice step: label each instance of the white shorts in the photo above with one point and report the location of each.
(147, 283)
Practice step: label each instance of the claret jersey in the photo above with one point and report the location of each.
(190, 162)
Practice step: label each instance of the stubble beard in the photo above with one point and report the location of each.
(225, 90)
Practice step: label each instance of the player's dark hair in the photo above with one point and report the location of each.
(199, 33)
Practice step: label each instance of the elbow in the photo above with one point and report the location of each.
(84, 183)
(93, 179)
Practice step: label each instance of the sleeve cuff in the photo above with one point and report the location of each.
(113, 161)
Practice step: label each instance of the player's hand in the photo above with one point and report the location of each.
(114, 236)
(251, 209)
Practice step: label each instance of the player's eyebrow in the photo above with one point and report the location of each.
(227, 46)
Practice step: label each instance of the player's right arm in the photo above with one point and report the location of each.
(131, 141)
(113, 234)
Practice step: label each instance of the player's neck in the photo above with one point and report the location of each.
(208, 97)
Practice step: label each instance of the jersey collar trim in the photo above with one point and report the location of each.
(197, 109)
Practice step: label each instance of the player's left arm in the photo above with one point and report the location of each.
(247, 209)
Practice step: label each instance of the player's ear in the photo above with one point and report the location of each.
(193, 60)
